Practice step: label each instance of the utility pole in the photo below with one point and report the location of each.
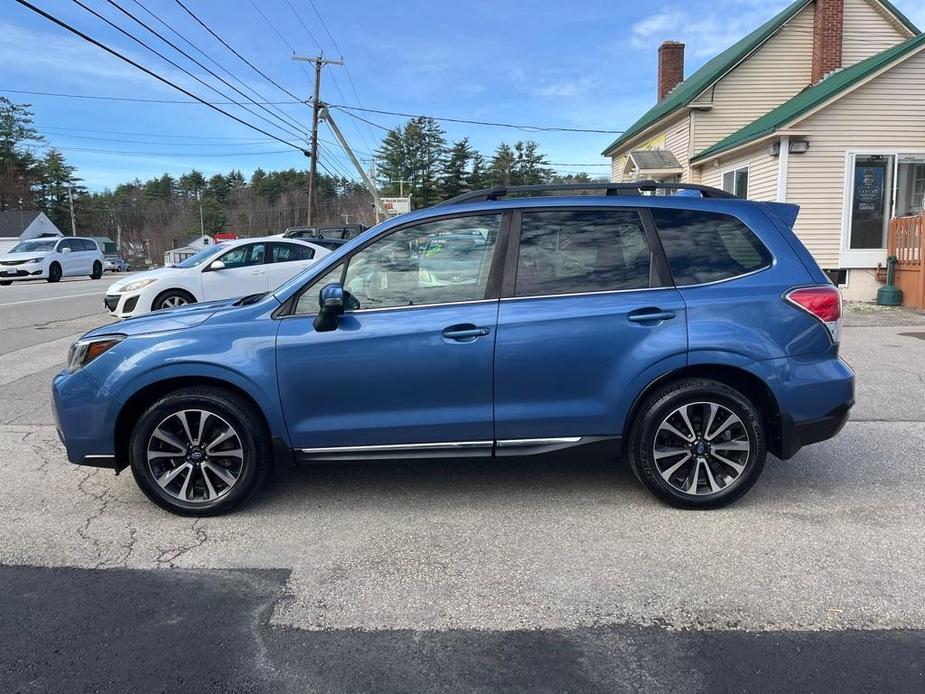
(320, 61)
(202, 226)
(401, 186)
(70, 200)
(370, 185)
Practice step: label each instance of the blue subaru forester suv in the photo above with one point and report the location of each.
(691, 332)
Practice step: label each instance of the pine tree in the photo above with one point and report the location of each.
(530, 166)
(19, 170)
(478, 175)
(455, 177)
(414, 152)
(501, 171)
(57, 180)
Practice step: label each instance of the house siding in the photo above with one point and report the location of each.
(675, 138)
(867, 30)
(884, 113)
(775, 72)
(762, 172)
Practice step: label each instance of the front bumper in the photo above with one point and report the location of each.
(21, 272)
(82, 411)
(122, 305)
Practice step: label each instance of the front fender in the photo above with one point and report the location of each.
(229, 353)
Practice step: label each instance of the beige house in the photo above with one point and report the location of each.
(822, 106)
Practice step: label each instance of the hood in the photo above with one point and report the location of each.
(186, 316)
(24, 256)
(159, 273)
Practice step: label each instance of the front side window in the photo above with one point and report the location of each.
(244, 256)
(708, 246)
(309, 300)
(439, 262)
(736, 182)
(581, 251)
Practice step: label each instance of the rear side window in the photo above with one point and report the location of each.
(288, 252)
(581, 251)
(708, 246)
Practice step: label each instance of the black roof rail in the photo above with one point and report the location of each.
(634, 188)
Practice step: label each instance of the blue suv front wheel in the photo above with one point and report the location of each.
(200, 451)
(697, 443)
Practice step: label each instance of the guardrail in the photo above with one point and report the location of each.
(906, 241)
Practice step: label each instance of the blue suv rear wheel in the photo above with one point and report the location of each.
(697, 443)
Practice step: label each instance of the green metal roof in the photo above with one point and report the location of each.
(808, 99)
(712, 70)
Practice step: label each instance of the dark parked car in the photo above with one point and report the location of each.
(694, 335)
(335, 231)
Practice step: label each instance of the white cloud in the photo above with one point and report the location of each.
(705, 33)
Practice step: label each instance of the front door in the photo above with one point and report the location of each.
(410, 370)
(244, 273)
(586, 321)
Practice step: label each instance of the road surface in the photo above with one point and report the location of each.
(465, 575)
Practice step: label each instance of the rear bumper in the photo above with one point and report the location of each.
(796, 435)
(814, 396)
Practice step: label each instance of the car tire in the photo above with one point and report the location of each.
(193, 481)
(97, 271)
(54, 272)
(697, 444)
(5, 283)
(171, 299)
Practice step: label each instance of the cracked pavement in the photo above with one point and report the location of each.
(827, 550)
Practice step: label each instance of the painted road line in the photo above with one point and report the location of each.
(51, 298)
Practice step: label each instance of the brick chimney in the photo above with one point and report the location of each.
(828, 27)
(670, 67)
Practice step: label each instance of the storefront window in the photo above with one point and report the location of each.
(910, 185)
(870, 207)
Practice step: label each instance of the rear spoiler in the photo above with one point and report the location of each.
(785, 211)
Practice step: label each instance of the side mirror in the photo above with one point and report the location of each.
(333, 299)
(65, 250)
(330, 307)
(216, 265)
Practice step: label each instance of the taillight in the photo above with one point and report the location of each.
(823, 302)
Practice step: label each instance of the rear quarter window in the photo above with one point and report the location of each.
(708, 246)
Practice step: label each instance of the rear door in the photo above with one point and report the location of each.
(289, 259)
(245, 273)
(588, 316)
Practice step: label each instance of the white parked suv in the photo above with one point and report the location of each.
(51, 258)
(222, 271)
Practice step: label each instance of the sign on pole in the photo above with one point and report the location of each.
(396, 206)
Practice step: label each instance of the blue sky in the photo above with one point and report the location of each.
(586, 65)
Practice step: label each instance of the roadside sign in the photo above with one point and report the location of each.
(396, 206)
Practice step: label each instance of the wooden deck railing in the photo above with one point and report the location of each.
(906, 241)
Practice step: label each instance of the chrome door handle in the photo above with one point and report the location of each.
(650, 315)
(464, 332)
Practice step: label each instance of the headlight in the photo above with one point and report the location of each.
(85, 350)
(137, 284)
(32, 260)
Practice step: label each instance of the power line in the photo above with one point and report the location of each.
(245, 143)
(85, 37)
(245, 60)
(221, 67)
(162, 154)
(176, 65)
(311, 36)
(527, 128)
(136, 99)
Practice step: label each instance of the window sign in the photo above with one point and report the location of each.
(870, 198)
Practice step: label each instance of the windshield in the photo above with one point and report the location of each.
(34, 245)
(202, 256)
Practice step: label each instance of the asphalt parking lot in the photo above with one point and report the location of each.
(465, 576)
